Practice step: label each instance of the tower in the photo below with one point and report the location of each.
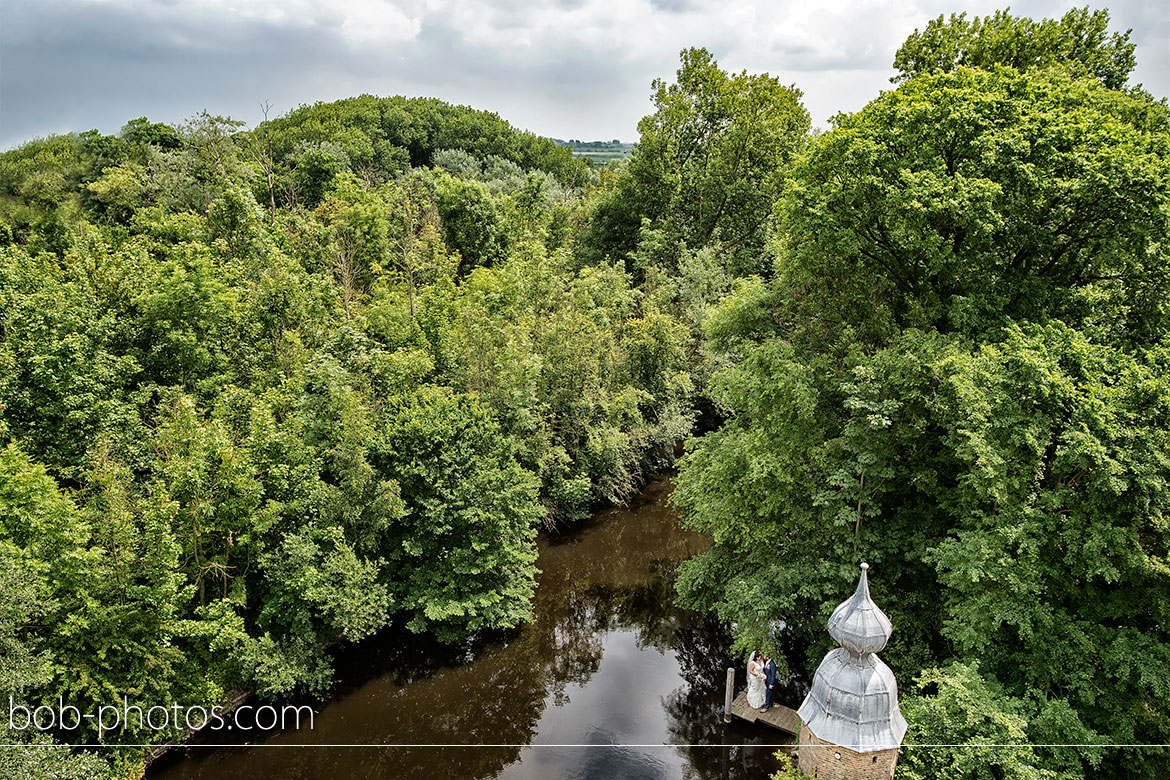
(851, 727)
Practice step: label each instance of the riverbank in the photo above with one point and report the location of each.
(606, 661)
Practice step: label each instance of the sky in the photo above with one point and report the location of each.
(561, 68)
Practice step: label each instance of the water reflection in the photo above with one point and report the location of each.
(607, 660)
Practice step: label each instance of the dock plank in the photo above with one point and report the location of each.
(778, 716)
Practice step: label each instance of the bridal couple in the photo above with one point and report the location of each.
(761, 678)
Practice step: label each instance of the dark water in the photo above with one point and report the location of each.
(609, 680)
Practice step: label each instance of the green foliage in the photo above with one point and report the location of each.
(313, 168)
(143, 132)
(326, 576)
(42, 759)
(788, 768)
(958, 374)
(317, 590)
(24, 663)
(1064, 447)
(25, 600)
(461, 558)
(967, 199)
(380, 135)
(708, 167)
(973, 718)
(472, 221)
(1078, 41)
(458, 162)
(266, 392)
(593, 393)
(107, 591)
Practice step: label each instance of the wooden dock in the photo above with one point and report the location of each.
(778, 716)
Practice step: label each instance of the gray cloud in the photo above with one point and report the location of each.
(568, 68)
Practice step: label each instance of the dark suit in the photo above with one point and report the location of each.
(769, 680)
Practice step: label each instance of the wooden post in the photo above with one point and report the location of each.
(729, 695)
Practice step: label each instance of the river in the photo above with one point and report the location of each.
(609, 681)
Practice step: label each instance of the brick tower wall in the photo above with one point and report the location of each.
(818, 759)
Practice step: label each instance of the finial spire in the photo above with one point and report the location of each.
(857, 624)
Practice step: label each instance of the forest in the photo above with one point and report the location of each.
(265, 393)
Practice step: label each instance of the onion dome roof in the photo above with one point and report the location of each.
(853, 702)
(857, 624)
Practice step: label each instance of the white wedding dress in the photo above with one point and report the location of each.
(755, 689)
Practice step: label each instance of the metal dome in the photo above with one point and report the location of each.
(853, 702)
(858, 624)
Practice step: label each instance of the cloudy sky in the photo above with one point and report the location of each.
(563, 68)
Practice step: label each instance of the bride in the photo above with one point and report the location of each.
(755, 690)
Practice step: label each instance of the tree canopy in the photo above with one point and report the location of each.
(707, 168)
(267, 392)
(1079, 41)
(958, 374)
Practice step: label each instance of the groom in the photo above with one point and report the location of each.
(769, 679)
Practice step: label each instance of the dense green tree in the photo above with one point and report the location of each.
(967, 714)
(120, 191)
(25, 600)
(968, 199)
(107, 588)
(1079, 41)
(472, 221)
(313, 168)
(143, 132)
(461, 558)
(41, 759)
(374, 132)
(958, 374)
(25, 662)
(594, 393)
(708, 167)
(318, 590)
(68, 368)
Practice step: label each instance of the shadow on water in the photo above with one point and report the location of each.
(608, 660)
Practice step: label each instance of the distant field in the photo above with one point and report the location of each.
(598, 151)
(601, 156)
